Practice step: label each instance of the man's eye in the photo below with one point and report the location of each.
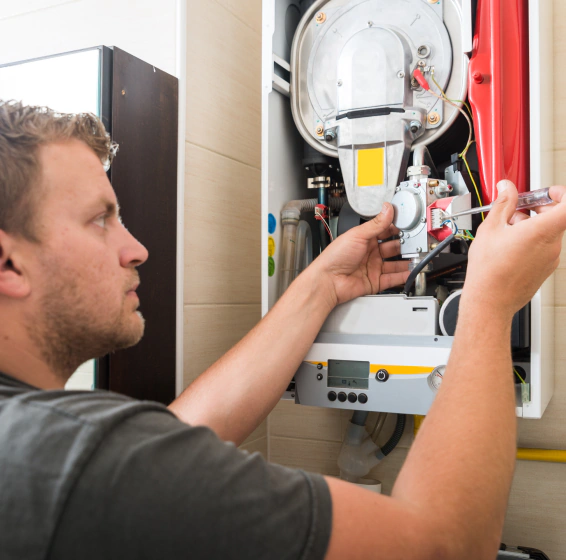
(100, 221)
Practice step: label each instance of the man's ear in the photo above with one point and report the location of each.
(14, 282)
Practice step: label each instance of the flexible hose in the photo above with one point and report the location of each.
(397, 434)
(359, 417)
(415, 272)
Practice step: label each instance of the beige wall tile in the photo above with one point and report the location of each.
(257, 446)
(560, 286)
(211, 330)
(247, 11)
(223, 229)
(560, 161)
(536, 515)
(307, 454)
(559, 77)
(223, 83)
(306, 422)
(259, 433)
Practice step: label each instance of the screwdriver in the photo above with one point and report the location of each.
(527, 200)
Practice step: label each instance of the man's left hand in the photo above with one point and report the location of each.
(354, 264)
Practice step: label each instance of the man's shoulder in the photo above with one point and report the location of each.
(89, 408)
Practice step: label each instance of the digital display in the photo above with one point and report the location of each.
(348, 374)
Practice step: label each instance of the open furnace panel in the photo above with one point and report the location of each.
(425, 104)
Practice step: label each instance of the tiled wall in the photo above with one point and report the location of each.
(222, 286)
(222, 201)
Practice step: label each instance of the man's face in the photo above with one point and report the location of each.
(83, 276)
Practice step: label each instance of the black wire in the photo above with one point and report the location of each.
(397, 434)
(415, 272)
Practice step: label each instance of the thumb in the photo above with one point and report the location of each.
(505, 205)
(376, 226)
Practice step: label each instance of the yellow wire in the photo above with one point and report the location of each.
(473, 181)
(470, 141)
(517, 374)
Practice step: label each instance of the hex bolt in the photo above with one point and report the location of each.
(415, 126)
(433, 118)
(400, 74)
(330, 136)
(477, 77)
(320, 17)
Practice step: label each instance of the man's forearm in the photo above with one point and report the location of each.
(236, 393)
(461, 450)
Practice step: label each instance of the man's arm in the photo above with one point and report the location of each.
(253, 375)
(450, 497)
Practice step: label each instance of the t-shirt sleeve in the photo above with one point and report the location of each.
(157, 488)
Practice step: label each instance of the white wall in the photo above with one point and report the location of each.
(145, 28)
(152, 30)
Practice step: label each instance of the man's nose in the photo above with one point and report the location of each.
(133, 253)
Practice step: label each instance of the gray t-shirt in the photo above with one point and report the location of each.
(96, 475)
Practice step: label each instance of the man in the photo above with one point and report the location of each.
(97, 475)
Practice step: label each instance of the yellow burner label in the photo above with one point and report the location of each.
(392, 370)
(371, 167)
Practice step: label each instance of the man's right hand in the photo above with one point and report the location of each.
(513, 254)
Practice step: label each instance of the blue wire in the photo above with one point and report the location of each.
(453, 223)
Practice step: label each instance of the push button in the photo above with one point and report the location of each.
(362, 398)
(382, 375)
(331, 396)
(342, 397)
(352, 397)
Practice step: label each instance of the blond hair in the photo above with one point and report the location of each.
(23, 129)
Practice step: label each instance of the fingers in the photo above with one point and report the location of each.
(391, 231)
(390, 249)
(395, 266)
(378, 225)
(557, 193)
(506, 204)
(394, 279)
(518, 217)
(552, 223)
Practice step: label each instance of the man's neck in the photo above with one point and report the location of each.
(20, 360)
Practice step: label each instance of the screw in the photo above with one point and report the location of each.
(401, 241)
(320, 17)
(433, 246)
(397, 189)
(319, 376)
(433, 118)
(123, 92)
(423, 220)
(407, 235)
(400, 74)
(431, 191)
(330, 136)
(401, 234)
(419, 249)
(339, 83)
(421, 63)
(319, 130)
(370, 23)
(477, 77)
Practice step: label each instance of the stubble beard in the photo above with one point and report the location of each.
(68, 331)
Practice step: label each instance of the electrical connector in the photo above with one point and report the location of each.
(437, 216)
